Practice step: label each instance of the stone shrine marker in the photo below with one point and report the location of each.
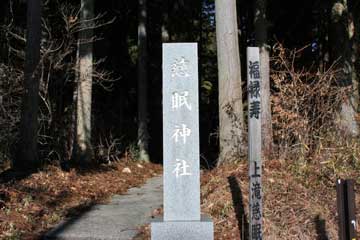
(254, 118)
(182, 217)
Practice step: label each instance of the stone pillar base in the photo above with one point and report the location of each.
(183, 230)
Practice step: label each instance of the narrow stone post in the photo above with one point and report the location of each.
(255, 164)
(182, 218)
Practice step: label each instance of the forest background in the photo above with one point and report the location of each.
(81, 86)
(314, 57)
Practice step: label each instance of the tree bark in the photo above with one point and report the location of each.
(261, 41)
(27, 152)
(143, 133)
(341, 35)
(84, 150)
(354, 27)
(4, 11)
(165, 34)
(231, 116)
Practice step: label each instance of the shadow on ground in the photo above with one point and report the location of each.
(320, 226)
(74, 214)
(238, 203)
(12, 175)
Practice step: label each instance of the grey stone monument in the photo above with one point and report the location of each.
(182, 218)
(254, 117)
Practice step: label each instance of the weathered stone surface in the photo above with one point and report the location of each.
(183, 230)
(181, 132)
(182, 220)
(254, 139)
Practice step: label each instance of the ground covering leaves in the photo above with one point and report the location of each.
(295, 206)
(31, 206)
(298, 204)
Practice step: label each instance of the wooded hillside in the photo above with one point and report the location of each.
(81, 85)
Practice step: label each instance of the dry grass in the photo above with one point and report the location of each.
(291, 210)
(305, 102)
(295, 206)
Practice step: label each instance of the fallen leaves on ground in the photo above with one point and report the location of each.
(31, 206)
(294, 207)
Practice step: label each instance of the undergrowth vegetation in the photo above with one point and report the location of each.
(305, 113)
(57, 85)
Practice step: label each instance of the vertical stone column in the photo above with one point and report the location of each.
(254, 118)
(182, 218)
